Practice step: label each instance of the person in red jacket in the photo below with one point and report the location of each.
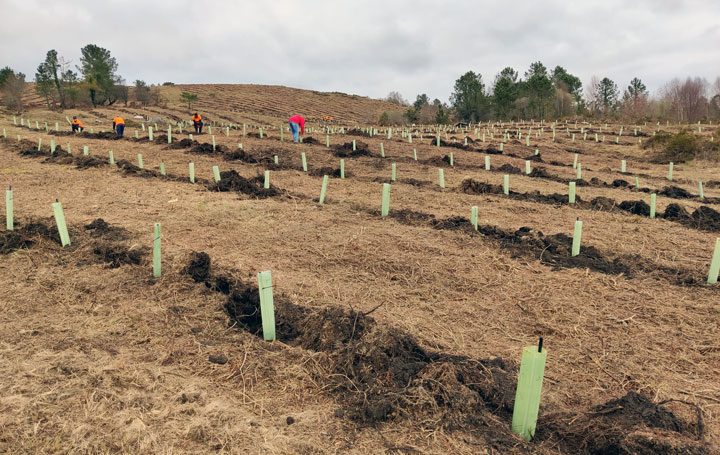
(297, 123)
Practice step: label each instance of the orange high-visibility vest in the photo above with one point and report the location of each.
(78, 123)
(196, 118)
(118, 121)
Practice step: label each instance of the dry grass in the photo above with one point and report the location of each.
(98, 360)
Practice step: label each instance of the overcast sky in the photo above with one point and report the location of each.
(369, 47)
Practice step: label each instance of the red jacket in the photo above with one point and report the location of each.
(300, 121)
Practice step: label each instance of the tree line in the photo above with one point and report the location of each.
(94, 82)
(543, 94)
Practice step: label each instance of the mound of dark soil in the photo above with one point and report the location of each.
(310, 140)
(25, 235)
(635, 207)
(129, 168)
(457, 145)
(88, 161)
(619, 183)
(676, 212)
(116, 254)
(540, 172)
(99, 228)
(232, 181)
(332, 172)
(555, 250)
(706, 218)
(537, 158)
(438, 161)
(415, 182)
(206, 149)
(602, 203)
(199, 266)
(492, 151)
(346, 151)
(675, 192)
(239, 155)
(181, 144)
(471, 186)
(632, 425)
(509, 169)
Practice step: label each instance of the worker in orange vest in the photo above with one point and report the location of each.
(77, 125)
(119, 126)
(197, 122)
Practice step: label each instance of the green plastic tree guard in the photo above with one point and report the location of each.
(86, 150)
(714, 264)
(487, 163)
(266, 185)
(327, 141)
(213, 142)
(354, 145)
(68, 147)
(191, 167)
(529, 391)
(577, 235)
(452, 160)
(9, 209)
(261, 133)
(415, 154)
(653, 200)
(393, 175)
(571, 197)
(60, 221)
(579, 172)
(140, 162)
(210, 129)
(190, 136)
(410, 138)
(111, 156)
(575, 161)
(623, 166)
(342, 168)
(227, 132)
(267, 308)
(527, 140)
(474, 216)
(501, 146)
(527, 167)
(39, 144)
(323, 189)
(216, 173)
(637, 182)
(304, 161)
(385, 209)
(150, 134)
(52, 146)
(276, 159)
(157, 262)
(441, 177)
(162, 168)
(244, 132)
(670, 171)
(700, 190)
(506, 184)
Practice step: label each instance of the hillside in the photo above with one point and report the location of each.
(263, 100)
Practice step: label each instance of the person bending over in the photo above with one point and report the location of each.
(297, 123)
(197, 122)
(119, 126)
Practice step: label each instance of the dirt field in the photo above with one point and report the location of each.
(400, 334)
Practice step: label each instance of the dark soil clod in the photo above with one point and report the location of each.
(232, 181)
